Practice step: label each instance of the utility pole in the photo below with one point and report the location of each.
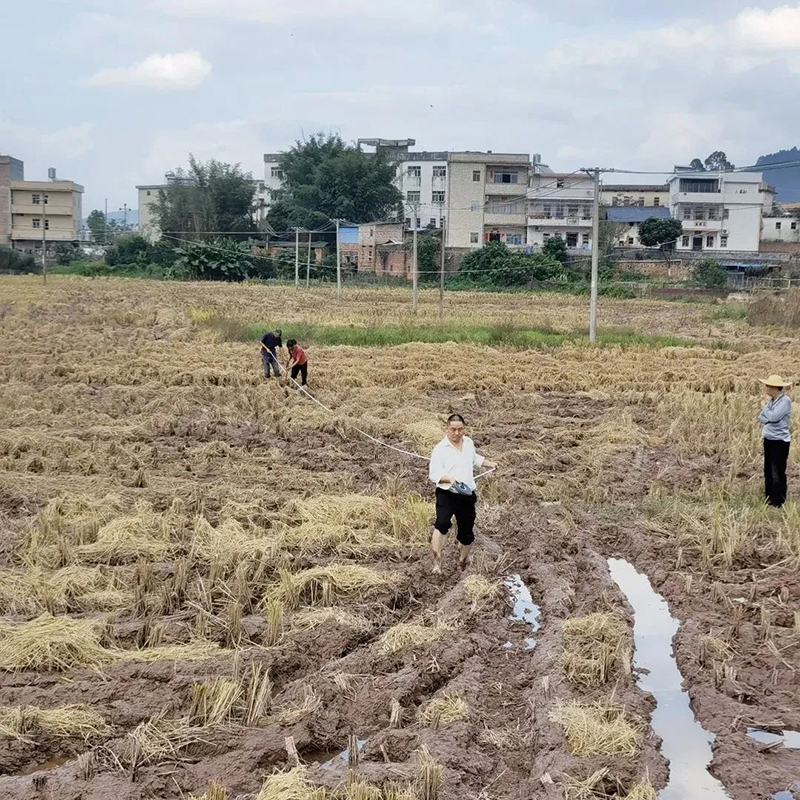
(338, 264)
(296, 258)
(124, 211)
(415, 273)
(595, 256)
(105, 223)
(441, 278)
(308, 260)
(44, 238)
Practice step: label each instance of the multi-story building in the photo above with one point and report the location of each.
(780, 226)
(718, 210)
(627, 219)
(486, 198)
(33, 211)
(560, 205)
(149, 193)
(644, 195)
(11, 169)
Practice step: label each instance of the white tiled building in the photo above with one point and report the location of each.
(718, 210)
(560, 205)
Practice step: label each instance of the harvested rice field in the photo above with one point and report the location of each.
(211, 587)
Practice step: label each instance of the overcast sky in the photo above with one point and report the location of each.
(115, 95)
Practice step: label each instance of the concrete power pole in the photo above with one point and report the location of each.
(296, 258)
(308, 260)
(44, 238)
(441, 277)
(595, 256)
(338, 264)
(415, 270)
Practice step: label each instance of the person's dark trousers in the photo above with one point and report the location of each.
(776, 453)
(301, 369)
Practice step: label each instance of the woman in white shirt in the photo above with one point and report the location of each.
(452, 470)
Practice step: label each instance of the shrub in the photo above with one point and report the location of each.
(556, 248)
(217, 260)
(709, 273)
(128, 249)
(65, 252)
(14, 261)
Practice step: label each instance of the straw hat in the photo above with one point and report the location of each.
(776, 381)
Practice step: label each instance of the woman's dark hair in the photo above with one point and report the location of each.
(456, 418)
(291, 343)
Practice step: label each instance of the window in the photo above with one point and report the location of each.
(709, 241)
(656, 201)
(630, 240)
(440, 172)
(505, 176)
(476, 175)
(545, 236)
(513, 238)
(685, 241)
(408, 222)
(725, 213)
(777, 226)
(417, 225)
(412, 197)
(687, 212)
(473, 237)
(586, 238)
(712, 213)
(276, 172)
(45, 198)
(437, 197)
(432, 222)
(572, 211)
(37, 223)
(700, 214)
(414, 172)
(546, 211)
(148, 193)
(723, 241)
(559, 183)
(572, 240)
(794, 226)
(36, 199)
(47, 224)
(641, 202)
(699, 185)
(587, 212)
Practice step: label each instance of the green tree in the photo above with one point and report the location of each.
(556, 248)
(129, 248)
(64, 253)
(428, 250)
(100, 230)
(660, 232)
(495, 265)
(714, 162)
(697, 165)
(215, 260)
(709, 273)
(205, 201)
(14, 261)
(325, 178)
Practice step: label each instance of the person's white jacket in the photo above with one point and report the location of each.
(456, 464)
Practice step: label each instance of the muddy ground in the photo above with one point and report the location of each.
(508, 747)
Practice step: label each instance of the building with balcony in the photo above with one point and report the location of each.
(35, 211)
(560, 205)
(718, 210)
(487, 198)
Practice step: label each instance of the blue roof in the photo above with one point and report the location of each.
(636, 213)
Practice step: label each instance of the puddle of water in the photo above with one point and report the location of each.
(51, 764)
(328, 759)
(685, 743)
(783, 796)
(525, 610)
(789, 739)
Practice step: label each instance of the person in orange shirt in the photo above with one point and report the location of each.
(298, 361)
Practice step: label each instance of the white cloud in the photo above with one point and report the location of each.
(74, 140)
(183, 70)
(778, 29)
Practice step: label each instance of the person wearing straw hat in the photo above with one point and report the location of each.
(451, 468)
(775, 416)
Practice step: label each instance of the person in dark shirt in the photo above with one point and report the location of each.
(270, 342)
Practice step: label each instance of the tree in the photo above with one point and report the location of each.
(715, 162)
(428, 249)
(205, 201)
(709, 273)
(660, 232)
(14, 261)
(496, 265)
(65, 253)
(100, 228)
(130, 248)
(556, 248)
(324, 179)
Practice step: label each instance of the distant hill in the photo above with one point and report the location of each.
(786, 181)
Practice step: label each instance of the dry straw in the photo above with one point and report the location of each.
(324, 584)
(292, 784)
(598, 729)
(445, 709)
(27, 723)
(596, 649)
(479, 589)
(413, 635)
